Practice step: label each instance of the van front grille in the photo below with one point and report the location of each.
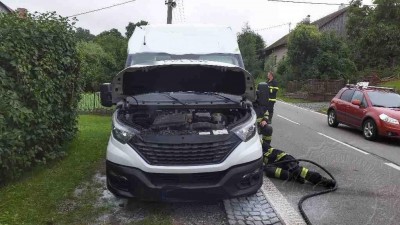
(185, 153)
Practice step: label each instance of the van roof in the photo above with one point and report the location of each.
(180, 39)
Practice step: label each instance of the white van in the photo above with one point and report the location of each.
(184, 128)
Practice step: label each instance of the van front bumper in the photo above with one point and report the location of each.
(130, 182)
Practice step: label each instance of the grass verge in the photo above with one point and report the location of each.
(34, 199)
(392, 84)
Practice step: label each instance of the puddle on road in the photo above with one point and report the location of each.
(116, 210)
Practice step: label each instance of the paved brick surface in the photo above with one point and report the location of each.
(254, 210)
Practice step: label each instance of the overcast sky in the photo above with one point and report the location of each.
(235, 13)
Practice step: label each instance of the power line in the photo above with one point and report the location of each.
(267, 28)
(107, 7)
(311, 3)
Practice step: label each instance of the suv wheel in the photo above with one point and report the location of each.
(332, 122)
(370, 130)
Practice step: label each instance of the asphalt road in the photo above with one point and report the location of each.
(368, 173)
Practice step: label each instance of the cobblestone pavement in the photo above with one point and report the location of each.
(252, 210)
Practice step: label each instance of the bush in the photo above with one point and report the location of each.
(39, 90)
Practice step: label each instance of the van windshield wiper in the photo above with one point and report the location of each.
(168, 95)
(380, 106)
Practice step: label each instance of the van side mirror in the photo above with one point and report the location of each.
(105, 95)
(356, 102)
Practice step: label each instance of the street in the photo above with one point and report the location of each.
(367, 172)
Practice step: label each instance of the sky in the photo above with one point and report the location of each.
(258, 14)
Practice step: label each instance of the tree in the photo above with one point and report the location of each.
(250, 45)
(116, 45)
(303, 47)
(312, 54)
(97, 66)
(132, 26)
(84, 34)
(374, 34)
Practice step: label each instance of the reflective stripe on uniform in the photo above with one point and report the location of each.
(278, 172)
(272, 87)
(266, 138)
(259, 120)
(280, 155)
(269, 152)
(304, 172)
(265, 160)
(272, 100)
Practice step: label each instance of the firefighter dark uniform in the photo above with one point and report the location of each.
(266, 131)
(290, 170)
(273, 90)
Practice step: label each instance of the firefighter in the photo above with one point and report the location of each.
(289, 170)
(273, 90)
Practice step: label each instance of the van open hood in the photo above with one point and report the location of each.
(183, 75)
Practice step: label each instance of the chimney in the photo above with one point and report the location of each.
(307, 20)
(342, 6)
(22, 12)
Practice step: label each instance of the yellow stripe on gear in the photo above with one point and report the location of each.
(278, 172)
(259, 120)
(269, 152)
(272, 87)
(304, 172)
(279, 156)
(267, 138)
(272, 99)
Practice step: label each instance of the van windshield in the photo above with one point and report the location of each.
(148, 58)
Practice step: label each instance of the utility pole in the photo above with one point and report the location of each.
(171, 4)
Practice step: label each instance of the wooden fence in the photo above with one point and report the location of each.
(314, 90)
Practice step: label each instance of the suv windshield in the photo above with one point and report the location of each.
(146, 58)
(384, 99)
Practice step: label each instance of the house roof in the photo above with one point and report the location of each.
(320, 23)
(324, 20)
(5, 7)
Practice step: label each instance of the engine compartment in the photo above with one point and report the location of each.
(183, 121)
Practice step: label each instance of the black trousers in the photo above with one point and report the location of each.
(270, 109)
(292, 171)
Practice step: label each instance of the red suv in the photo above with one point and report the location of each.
(374, 110)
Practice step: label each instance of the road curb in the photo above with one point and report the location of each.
(280, 205)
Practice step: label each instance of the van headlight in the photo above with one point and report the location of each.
(120, 132)
(388, 119)
(247, 130)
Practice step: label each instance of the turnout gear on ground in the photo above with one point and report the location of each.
(290, 170)
(273, 90)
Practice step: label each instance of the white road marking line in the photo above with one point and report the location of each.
(288, 119)
(393, 166)
(354, 148)
(302, 108)
(282, 207)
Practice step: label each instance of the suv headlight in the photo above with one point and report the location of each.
(247, 130)
(388, 119)
(120, 132)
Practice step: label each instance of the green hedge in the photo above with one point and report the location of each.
(39, 90)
